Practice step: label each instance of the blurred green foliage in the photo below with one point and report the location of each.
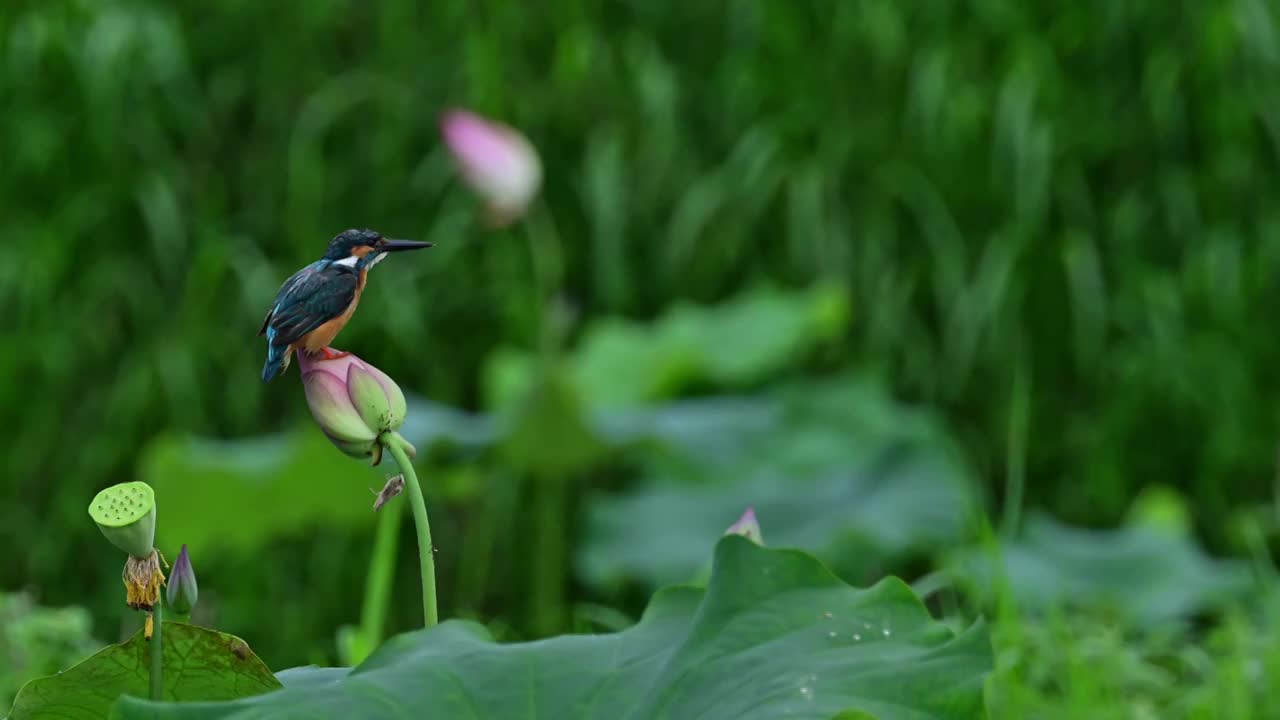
(37, 640)
(1079, 196)
(1141, 576)
(1070, 666)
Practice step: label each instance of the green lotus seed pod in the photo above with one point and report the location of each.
(126, 514)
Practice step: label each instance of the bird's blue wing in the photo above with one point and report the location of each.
(314, 295)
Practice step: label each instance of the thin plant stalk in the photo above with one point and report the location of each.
(1016, 450)
(426, 552)
(549, 493)
(157, 652)
(477, 547)
(377, 590)
(547, 258)
(548, 567)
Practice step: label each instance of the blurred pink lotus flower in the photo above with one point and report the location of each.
(748, 527)
(496, 161)
(353, 402)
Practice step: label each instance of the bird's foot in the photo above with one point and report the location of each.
(331, 354)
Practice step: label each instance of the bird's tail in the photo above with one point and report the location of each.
(277, 361)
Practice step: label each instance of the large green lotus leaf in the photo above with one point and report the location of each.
(857, 521)
(311, 676)
(715, 429)
(738, 342)
(757, 333)
(835, 467)
(806, 427)
(1142, 573)
(428, 423)
(202, 484)
(775, 634)
(199, 664)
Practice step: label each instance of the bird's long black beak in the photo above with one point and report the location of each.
(389, 245)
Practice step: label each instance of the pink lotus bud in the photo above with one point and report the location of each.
(352, 401)
(182, 592)
(496, 161)
(748, 527)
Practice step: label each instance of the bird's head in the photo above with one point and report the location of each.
(364, 248)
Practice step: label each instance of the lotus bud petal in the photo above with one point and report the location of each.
(330, 403)
(353, 402)
(747, 526)
(496, 161)
(182, 591)
(379, 401)
(356, 449)
(126, 515)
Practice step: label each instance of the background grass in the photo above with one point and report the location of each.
(1054, 225)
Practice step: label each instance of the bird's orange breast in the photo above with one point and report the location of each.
(322, 337)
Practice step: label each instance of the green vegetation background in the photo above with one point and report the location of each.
(1083, 195)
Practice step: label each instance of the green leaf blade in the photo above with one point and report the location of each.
(774, 634)
(200, 664)
(806, 645)
(1138, 574)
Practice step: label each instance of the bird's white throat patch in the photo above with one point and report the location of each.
(353, 260)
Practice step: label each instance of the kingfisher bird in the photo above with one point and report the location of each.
(317, 301)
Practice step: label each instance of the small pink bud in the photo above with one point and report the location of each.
(352, 401)
(182, 591)
(748, 527)
(496, 161)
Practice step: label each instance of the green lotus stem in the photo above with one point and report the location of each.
(548, 564)
(1016, 450)
(157, 654)
(426, 553)
(382, 569)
